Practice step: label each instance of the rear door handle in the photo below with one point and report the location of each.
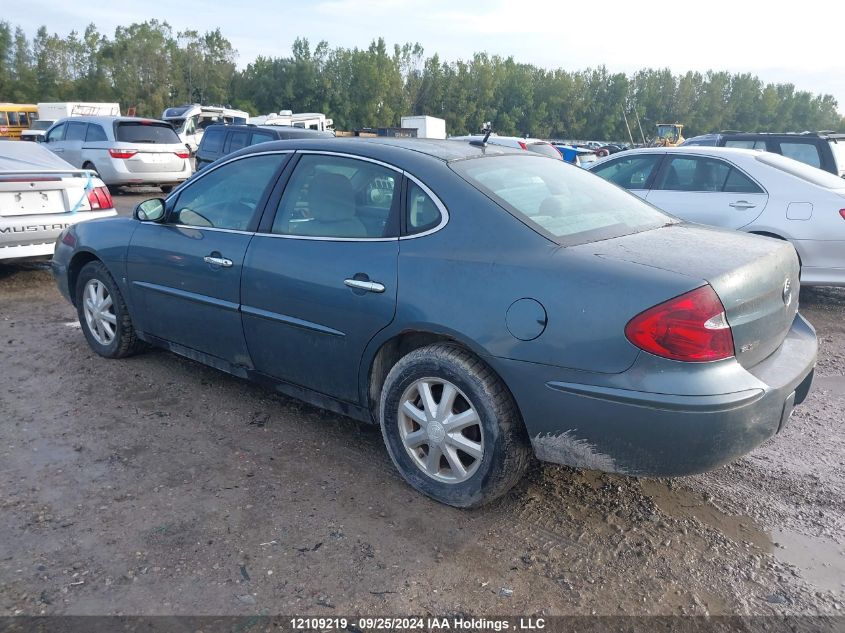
(369, 286)
(217, 261)
(742, 204)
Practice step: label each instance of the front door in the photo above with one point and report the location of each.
(708, 191)
(322, 281)
(185, 273)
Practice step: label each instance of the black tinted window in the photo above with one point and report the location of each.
(95, 133)
(630, 172)
(237, 140)
(212, 140)
(330, 196)
(227, 197)
(691, 173)
(738, 182)
(804, 152)
(261, 137)
(146, 132)
(76, 131)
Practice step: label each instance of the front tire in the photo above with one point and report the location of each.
(103, 314)
(452, 427)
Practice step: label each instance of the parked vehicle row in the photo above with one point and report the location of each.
(825, 150)
(752, 191)
(477, 301)
(220, 140)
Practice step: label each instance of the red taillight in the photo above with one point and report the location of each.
(68, 239)
(122, 153)
(183, 154)
(842, 213)
(522, 145)
(100, 198)
(691, 327)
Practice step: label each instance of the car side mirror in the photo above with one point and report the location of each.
(151, 210)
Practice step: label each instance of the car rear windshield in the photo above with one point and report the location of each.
(801, 170)
(145, 132)
(544, 149)
(565, 203)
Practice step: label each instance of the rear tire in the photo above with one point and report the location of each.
(452, 427)
(103, 314)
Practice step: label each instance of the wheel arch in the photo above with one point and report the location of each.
(390, 350)
(77, 262)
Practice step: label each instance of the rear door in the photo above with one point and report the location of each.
(708, 191)
(320, 278)
(185, 273)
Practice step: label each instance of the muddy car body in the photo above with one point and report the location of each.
(477, 302)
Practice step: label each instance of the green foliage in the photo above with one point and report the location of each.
(149, 67)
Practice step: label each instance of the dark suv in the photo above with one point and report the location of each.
(219, 140)
(825, 150)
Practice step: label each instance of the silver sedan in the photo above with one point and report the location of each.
(752, 191)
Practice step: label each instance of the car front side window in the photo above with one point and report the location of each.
(227, 197)
(338, 197)
(630, 172)
(57, 133)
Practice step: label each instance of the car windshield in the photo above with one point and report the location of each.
(145, 132)
(566, 204)
(178, 124)
(41, 125)
(803, 171)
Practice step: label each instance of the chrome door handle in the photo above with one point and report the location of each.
(742, 204)
(217, 261)
(369, 286)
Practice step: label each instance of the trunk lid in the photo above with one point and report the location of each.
(756, 278)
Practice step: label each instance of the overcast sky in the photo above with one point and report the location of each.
(797, 42)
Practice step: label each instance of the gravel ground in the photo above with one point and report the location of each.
(155, 485)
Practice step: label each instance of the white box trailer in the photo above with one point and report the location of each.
(50, 112)
(426, 126)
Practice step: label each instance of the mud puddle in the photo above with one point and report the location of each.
(682, 503)
(820, 561)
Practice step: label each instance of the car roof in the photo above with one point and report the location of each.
(385, 147)
(271, 128)
(109, 119)
(694, 149)
(494, 137)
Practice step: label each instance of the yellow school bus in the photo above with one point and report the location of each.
(16, 117)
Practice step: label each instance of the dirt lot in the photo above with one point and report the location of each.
(155, 485)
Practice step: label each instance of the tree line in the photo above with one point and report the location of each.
(150, 66)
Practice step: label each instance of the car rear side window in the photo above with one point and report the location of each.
(227, 197)
(95, 133)
(261, 137)
(738, 182)
(212, 140)
(804, 152)
(565, 203)
(693, 173)
(630, 172)
(838, 148)
(76, 131)
(746, 144)
(145, 132)
(236, 141)
(421, 212)
(338, 197)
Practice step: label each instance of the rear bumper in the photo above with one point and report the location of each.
(114, 172)
(661, 418)
(26, 236)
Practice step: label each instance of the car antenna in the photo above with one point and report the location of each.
(487, 130)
